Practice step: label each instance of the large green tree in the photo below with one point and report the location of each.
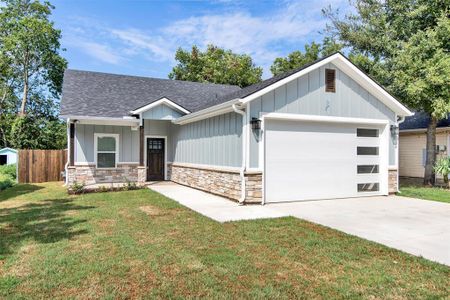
(297, 58)
(404, 45)
(215, 65)
(29, 46)
(31, 73)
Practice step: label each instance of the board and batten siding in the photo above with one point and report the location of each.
(84, 142)
(216, 141)
(306, 95)
(411, 156)
(161, 112)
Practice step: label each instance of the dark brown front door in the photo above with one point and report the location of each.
(155, 159)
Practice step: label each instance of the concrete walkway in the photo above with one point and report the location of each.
(217, 208)
(418, 227)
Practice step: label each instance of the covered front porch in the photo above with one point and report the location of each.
(114, 151)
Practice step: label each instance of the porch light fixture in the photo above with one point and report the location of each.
(256, 123)
(394, 130)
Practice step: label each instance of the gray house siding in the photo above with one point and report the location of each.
(84, 142)
(161, 112)
(214, 141)
(306, 95)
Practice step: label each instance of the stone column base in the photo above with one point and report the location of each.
(141, 175)
(393, 181)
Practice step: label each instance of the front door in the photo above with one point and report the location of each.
(155, 159)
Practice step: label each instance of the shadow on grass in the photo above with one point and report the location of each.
(18, 190)
(44, 222)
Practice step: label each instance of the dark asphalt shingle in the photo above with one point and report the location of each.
(420, 120)
(109, 95)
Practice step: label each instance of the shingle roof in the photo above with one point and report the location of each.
(97, 94)
(420, 120)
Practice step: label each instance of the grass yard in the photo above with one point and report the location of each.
(413, 188)
(139, 244)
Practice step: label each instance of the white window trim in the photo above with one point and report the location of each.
(165, 152)
(114, 135)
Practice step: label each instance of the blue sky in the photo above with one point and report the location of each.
(140, 37)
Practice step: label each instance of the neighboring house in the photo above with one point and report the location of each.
(325, 130)
(413, 143)
(8, 156)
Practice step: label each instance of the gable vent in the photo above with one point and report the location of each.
(330, 80)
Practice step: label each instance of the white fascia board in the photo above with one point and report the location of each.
(161, 101)
(326, 119)
(351, 70)
(104, 120)
(423, 130)
(207, 112)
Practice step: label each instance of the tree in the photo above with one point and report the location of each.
(312, 52)
(215, 65)
(28, 132)
(31, 73)
(406, 48)
(29, 49)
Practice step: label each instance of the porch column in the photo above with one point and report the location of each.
(141, 145)
(71, 144)
(142, 171)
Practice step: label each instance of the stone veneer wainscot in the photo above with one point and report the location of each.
(89, 174)
(224, 182)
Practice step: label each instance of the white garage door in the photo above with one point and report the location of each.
(313, 160)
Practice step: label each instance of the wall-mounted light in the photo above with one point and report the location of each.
(256, 123)
(394, 130)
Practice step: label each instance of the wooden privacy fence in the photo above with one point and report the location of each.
(41, 165)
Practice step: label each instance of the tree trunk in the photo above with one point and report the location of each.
(429, 178)
(25, 94)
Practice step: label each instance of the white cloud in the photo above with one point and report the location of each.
(263, 37)
(99, 51)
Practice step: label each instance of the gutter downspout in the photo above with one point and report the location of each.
(244, 149)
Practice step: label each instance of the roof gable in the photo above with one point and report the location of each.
(7, 149)
(253, 92)
(163, 109)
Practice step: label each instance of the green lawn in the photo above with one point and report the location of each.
(139, 244)
(413, 188)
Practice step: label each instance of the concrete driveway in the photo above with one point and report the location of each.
(418, 227)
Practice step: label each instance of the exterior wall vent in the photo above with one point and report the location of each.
(330, 80)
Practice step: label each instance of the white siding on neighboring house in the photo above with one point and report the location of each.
(411, 152)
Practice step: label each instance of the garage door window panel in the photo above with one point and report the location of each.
(368, 169)
(366, 132)
(367, 150)
(368, 187)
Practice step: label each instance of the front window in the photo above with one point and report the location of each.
(106, 150)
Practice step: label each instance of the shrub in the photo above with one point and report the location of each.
(442, 167)
(77, 188)
(9, 170)
(5, 182)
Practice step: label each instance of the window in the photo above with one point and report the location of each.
(106, 150)
(367, 151)
(368, 187)
(330, 80)
(363, 132)
(368, 169)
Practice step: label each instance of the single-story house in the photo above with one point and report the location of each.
(8, 156)
(322, 131)
(413, 143)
